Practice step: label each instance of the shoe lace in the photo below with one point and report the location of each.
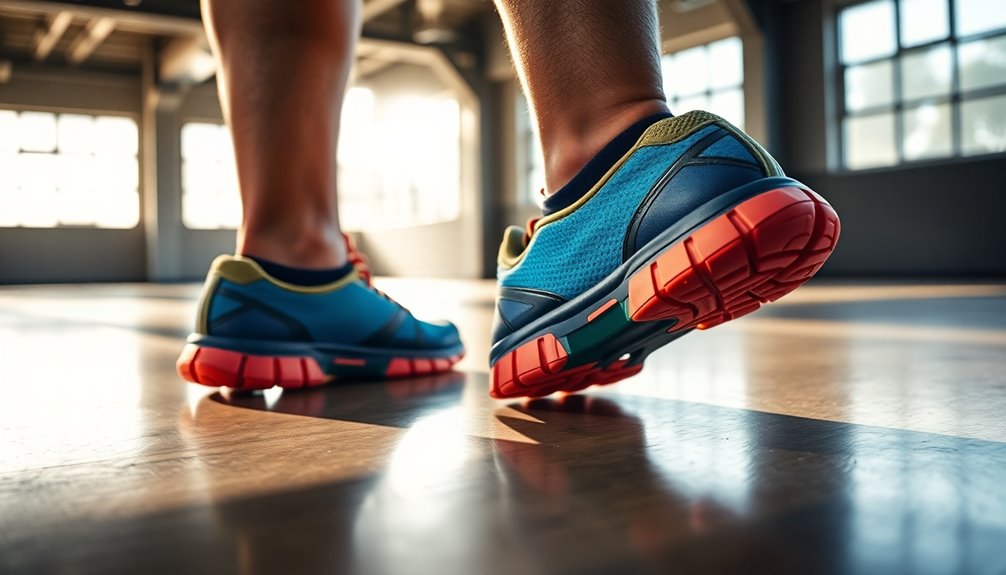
(361, 264)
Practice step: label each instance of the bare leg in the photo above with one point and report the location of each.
(590, 68)
(283, 73)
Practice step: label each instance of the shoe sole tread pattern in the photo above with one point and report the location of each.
(217, 367)
(755, 253)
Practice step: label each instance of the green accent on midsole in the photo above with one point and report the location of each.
(595, 333)
(609, 334)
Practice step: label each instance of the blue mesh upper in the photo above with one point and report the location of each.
(728, 147)
(348, 315)
(568, 256)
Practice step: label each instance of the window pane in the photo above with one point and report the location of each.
(77, 173)
(927, 73)
(983, 124)
(202, 140)
(58, 180)
(869, 141)
(76, 207)
(210, 198)
(730, 105)
(9, 142)
(37, 208)
(8, 173)
(927, 132)
(197, 212)
(869, 85)
(117, 173)
(76, 134)
(689, 72)
(923, 21)
(10, 215)
(37, 172)
(867, 31)
(982, 63)
(115, 136)
(37, 131)
(122, 211)
(976, 16)
(726, 63)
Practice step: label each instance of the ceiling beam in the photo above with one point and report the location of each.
(93, 34)
(128, 20)
(46, 37)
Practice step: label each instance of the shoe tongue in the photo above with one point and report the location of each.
(599, 165)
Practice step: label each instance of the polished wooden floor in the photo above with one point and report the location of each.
(848, 429)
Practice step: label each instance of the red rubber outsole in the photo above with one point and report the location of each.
(216, 367)
(759, 251)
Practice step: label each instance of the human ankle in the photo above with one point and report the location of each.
(569, 150)
(317, 248)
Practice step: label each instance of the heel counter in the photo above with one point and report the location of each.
(722, 159)
(206, 299)
(770, 167)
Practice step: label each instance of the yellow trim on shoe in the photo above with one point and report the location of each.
(511, 248)
(241, 270)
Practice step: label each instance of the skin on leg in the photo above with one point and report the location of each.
(590, 68)
(283, 69)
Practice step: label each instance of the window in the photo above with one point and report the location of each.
(399, 160)
(61, 170)
(210, 198)
(709, 77)
(922, 79)
(399, 165)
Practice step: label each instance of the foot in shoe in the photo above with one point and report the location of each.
(685, 223)
(256, 331)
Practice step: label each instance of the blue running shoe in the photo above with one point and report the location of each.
(255, 332)
(693, 226)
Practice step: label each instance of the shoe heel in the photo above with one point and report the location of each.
(216, 367)
(759, 251)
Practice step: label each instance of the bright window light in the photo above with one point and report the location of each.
(68, 170)
(917, 88)
(399, 160)
(867, 31)
(399, 163)
(210, 199)
(708, 77)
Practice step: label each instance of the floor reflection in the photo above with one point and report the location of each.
(393, 403)
(847, 430)
(618, 484)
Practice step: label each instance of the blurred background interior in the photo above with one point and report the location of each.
(116, 165)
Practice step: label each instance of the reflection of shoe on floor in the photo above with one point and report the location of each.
(576, 431)
(691, 224)
(255, 332)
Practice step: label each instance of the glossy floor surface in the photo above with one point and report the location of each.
(847, 429)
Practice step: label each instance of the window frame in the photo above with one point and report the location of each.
(94, 113)
(710, 91)
(899, 105)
